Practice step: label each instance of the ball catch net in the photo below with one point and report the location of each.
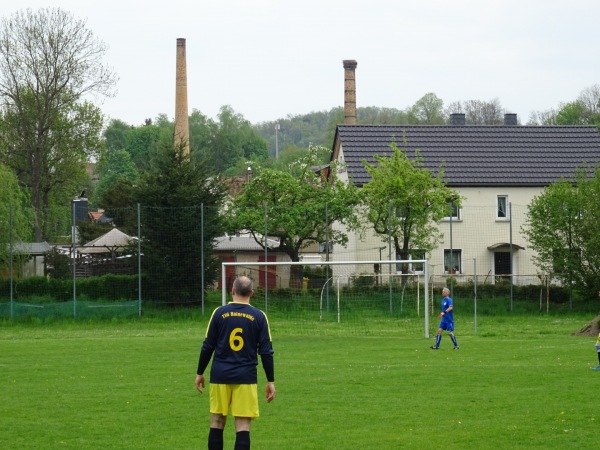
(325, 297)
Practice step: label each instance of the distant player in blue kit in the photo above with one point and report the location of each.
(237, 333)
(447, 322)
(598, 350)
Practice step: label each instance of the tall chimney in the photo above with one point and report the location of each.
(350, 92)
(182, 127)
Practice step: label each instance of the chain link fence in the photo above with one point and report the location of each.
(118, 261)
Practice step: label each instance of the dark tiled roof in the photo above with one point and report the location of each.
(476, 155)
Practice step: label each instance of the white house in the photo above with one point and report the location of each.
(497, 169)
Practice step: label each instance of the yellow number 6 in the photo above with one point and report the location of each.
(235, 340)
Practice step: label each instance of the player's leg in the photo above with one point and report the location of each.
(451, 333)
(220, 398)
(242, 433)
(438, 339)
(244, 407)
(215, 434)
(450, 330)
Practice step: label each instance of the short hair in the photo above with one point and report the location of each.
(243, 286)
(446, 289)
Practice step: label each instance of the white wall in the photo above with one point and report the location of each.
(477, 228)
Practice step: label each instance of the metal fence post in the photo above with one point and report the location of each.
(139, 236)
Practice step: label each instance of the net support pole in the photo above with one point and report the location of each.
(266, 259)
(223, 285)
(338, 301)
(418, 296)
(202, 256)
(475, 296)
(10, 259)
(74, 259)
(426, 284)
(139, 250)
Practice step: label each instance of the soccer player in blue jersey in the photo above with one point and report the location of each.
(447, 320)
(237, 333)
(598, 350)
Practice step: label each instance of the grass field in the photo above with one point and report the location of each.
(522, 382)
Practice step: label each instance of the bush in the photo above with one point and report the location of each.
(106, 287)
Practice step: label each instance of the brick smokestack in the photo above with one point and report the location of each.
(182, 127)
(350, 91)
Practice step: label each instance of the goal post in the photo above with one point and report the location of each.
(359, 294)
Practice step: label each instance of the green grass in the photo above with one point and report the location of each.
(521, 382)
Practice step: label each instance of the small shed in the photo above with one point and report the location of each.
(34, 251)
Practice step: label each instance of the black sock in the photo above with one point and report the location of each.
(215, 439)
(242, 440)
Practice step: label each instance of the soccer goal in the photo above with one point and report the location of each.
(360, 297)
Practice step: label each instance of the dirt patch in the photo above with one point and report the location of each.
(592, 328)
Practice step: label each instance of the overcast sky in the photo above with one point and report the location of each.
(268, 59)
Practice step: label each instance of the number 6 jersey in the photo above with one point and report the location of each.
(236, 334)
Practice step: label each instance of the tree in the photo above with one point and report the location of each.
(572, 113)
(405, 200)
(590, 99)
(115, 135)
(300, 203)
(115, 167)
(202, 130)
(15, 213)
(428, 110)
(176, 194)
(231, 139)
(379, 116)
(479, 112)
(57, 265)
(48, 62)
(585, 110)
(562, 228)
(142, 142)
(547, 117)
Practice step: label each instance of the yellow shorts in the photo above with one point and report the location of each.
(241, 398)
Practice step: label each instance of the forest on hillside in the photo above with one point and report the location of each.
(318, 127)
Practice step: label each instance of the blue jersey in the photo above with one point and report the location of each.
(448, 316)
(237, 333)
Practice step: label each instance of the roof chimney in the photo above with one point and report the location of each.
(457, 119)
(182, 127)
(349, 92)
(510, 119)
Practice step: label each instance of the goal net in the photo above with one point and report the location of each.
(329, 297)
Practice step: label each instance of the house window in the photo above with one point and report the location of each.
(452, 261)
(502, 207)
(453, 212)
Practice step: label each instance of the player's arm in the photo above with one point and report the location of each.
(269, 368)
(446, 311)
(203, 360)
(206, 352)
(266, 357)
